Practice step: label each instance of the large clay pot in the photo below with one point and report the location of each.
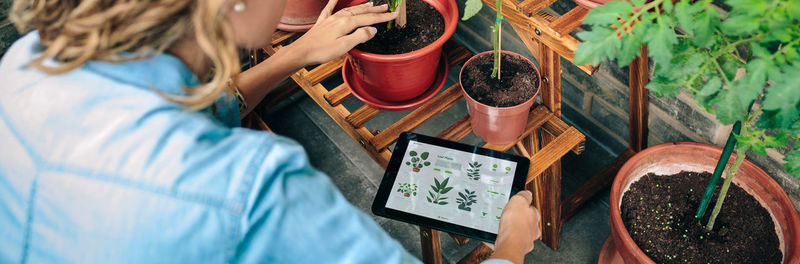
(498, 125)
(671, 158)
(402, 77)
(300, 15)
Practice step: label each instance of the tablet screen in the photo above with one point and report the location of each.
(453, 186)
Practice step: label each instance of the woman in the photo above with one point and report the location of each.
(121, 144)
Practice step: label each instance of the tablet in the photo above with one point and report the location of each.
(449, 186)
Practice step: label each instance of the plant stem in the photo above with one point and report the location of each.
(723, 159)
(498, 24)
(740, 154)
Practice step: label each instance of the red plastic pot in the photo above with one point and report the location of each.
(498, 125)
(402, 77)
(300, 15)
(671, 158)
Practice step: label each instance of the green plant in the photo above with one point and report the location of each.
(726, 64)
(439, 189)
(400, 7)
(466, 199)
(473, 172)
(418, 162)
(407, 189)
(470, 9)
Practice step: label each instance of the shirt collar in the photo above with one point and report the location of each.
(163, 72)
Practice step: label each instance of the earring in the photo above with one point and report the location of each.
(238, 7)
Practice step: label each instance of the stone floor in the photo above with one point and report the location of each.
(357, 175)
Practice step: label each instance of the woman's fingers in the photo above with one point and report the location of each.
(358, 36)
(368, 19)
(362, 9)
(327, 11)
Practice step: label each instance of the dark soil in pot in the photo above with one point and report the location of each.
(517, 83)
(658, 212)
(424, 26)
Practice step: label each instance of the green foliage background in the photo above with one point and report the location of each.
(698, 48)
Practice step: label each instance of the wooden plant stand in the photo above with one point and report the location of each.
(545, 140)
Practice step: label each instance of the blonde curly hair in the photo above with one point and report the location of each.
(74, 32)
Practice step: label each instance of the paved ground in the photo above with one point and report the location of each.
(358, 176)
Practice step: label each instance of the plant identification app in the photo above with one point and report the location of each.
(453, 186)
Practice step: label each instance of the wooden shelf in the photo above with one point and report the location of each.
(546, 137)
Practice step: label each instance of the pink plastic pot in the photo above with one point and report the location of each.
(498, 125)
(402, 77)
(671, 158)
(300, 15)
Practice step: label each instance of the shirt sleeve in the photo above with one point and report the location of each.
(294, 214)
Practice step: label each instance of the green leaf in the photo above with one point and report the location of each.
(740, 25)
(667, 5)
(427, 163)
(444, 183)
(412, 153)
(660, 39)
(600, 43)
(685, 16)
(608, 13)
(442, 203)
(429, 199)
(792, 164)
(704, 27)
(408, 163)
(782, 100)
(436, 181)
(424, 155)
(446, 190)
(779, 140)
(471, 7)
(631, 45)
(708, 93)
(638, 2)
(462, 196)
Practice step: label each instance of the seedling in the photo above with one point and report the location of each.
(470, 9)
(400, 7)
(417, 163)
(724, 63)
(439, 189)
(466, 199)
(408, 189)
(473, 172)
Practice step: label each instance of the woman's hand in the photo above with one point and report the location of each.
(335, 34)
(519, 227)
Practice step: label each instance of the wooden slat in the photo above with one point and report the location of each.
(460, 240)
(324, 71)
(456, 54)
(563, 44)
(280, 36)
(431, 245)
(338, 95)
(458, 130)
(569, 21)
(638, 101)
(338, 114)
(557, 126)
(536, 118)
(533, 6)
(553, 151)
(362, 115)
(550, 196)
(416, 118)
(550, 68)
(531, 144)
(603, 179)
(477, 255)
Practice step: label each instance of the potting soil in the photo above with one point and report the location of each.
(517, 83)
(659, 214)
(424, 25)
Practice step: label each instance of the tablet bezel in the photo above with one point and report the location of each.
(389, 177)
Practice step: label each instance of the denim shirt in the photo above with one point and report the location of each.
(96, 167)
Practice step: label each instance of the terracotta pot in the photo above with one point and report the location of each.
(671, 158)
(300, 15)
(415, 169)
(406, 194)
(590, 4)
(402, 77)
(498, 125)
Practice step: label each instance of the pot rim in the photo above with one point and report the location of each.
(614, 201)
(485, 53)
(449, 28)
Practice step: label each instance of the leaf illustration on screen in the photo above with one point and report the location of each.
(439, 189)
(466, 199)
(417, 163)
(473, 172)
(407, 189)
